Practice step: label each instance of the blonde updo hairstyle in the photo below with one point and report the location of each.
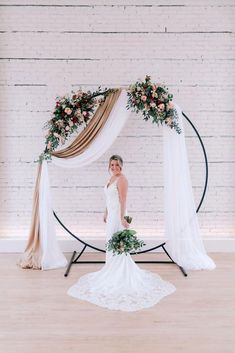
(117, 158)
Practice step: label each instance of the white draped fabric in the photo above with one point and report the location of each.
(184, 242)
(52, 257)
(182, 231)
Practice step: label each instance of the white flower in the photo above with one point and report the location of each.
(169, 121)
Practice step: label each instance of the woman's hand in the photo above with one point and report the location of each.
(125, 223)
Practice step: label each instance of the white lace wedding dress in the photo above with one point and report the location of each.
(120, 284)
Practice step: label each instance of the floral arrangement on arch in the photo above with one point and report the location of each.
(77, 109)
(154, 101)
(71, 112)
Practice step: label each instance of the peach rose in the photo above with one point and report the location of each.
(68, 111)
(79, 93)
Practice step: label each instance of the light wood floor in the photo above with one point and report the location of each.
(38, 316)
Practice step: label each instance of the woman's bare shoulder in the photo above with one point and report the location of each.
(122, 180)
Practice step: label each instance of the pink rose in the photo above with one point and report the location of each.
(152, 104)
(68, 111)
(67, 128)
(84, 113)
(79, 93)
(143, 98)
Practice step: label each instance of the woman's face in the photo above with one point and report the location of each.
(114, 167)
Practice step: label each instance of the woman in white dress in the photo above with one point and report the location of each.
(120, 284)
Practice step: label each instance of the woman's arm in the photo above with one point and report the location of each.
(122, 186)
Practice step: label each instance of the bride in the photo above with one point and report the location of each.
(120, 284)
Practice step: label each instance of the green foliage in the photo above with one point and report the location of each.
(124, 241)
(154, 102)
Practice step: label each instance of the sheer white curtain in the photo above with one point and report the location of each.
(182, 231)
(52, 255)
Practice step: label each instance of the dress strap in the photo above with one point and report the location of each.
(109, 184)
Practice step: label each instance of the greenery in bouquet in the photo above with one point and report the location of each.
(124, 241)
(69, 114)
(154, 101)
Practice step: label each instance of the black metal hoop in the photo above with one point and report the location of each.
(205, 159)
(85, 244)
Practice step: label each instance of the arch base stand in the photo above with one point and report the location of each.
(76, 258)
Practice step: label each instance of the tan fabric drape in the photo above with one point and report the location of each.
(32, 255)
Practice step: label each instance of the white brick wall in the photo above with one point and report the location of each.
(50, 47)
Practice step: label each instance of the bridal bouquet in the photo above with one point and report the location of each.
(124, 241)
(154, 101)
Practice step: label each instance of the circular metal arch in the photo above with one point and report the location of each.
(197, 210)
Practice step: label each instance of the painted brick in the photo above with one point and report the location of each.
(48, 48)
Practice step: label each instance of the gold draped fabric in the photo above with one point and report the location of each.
(32, 255)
